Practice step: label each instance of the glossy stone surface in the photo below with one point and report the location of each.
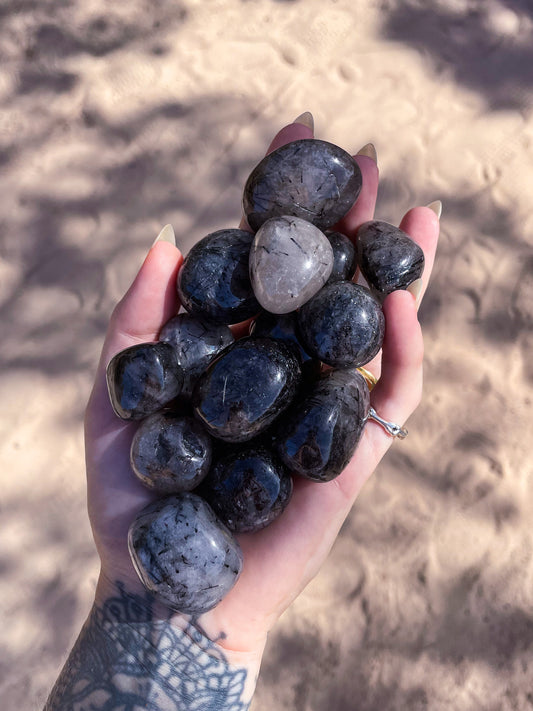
(170, 454)
(343, 325)
(290, 260)
(214, 281)
(318, 435)
(311, 179)
(246, 388)
(184, 554)
(344, 257)
(284, 328)
(142, 379)
(248, 489)
(196, 343)
(388, 258)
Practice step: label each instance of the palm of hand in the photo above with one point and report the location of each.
(281, 559)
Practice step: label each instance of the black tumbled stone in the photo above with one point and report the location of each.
(170, 454)
(142, 379)
(344, 257)
(248, 489)
(309, 178)
(196, 343)
(214, 281)
(388, 258)
(343, 325)
(318, 435)
(245, 388)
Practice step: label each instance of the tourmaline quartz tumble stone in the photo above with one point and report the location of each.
(196, 343)
(318, 435)
(245, 388)
(290, 260)
(248, 489)
(344, 257)
(343, 325)
(183, 554)
(311, 179)
(142, 379)
(170, 454)
(388, 258)
(214, 283)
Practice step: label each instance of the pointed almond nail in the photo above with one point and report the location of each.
(369, 151)
(415, 288)
(166, 235)
(306, 119)
(436, 206)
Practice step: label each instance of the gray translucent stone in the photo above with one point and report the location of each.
(318, 435)
(312, 179)
(170, 454)
(388, 258)
(142, 379)
(196, 343)
(290, 260)
(343, 325)
(246, 388)
(184, 554)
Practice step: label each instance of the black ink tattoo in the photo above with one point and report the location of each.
(126, 660)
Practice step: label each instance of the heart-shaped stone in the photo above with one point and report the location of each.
(290, 261)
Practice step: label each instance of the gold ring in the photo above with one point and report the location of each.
(371, 380)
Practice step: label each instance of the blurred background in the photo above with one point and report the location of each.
(116, 121)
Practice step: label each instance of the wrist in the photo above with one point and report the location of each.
(195, 659)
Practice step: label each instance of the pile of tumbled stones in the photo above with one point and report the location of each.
(227, 423)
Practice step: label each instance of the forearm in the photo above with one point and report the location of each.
(128, 657)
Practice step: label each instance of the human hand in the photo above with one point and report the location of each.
(281, 559)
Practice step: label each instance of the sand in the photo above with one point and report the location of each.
(116, 121)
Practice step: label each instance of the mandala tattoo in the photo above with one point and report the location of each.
(125, 660)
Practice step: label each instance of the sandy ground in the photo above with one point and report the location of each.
(115, 122)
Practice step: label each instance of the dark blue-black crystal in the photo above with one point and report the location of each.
(214, 281)
(343, 325)
(344, 257)
(247, 488)
(388, 258)
(311, 179)
(246, 387)
(317, 436)
(196, 343)
(142, 379)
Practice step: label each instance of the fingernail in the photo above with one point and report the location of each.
(415, 288)
(166, 235)
(369, 151)
(436, 206)
(306, 119)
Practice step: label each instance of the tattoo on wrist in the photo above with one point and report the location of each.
(126, 659)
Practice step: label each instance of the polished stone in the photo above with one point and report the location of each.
(343, 325)
(248, 489)
(184, 554)
(311, 179)
(214, 281)
(142, 379)
(284, 328)
(246, 388)
(290, 260)
(170, 454)
(344, 257)
(318, 435)
(388, 258)
(196, 343)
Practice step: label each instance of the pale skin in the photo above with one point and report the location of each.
(280, 560)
